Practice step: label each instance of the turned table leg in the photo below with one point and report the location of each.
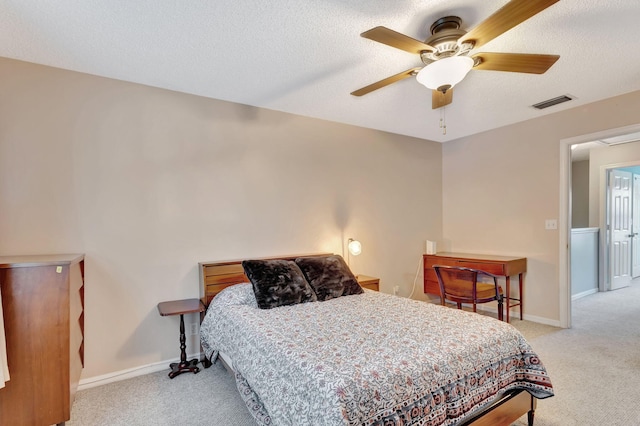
(183, 365)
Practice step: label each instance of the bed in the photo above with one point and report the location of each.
(367, 358)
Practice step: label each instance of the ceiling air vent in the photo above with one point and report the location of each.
(551, 102)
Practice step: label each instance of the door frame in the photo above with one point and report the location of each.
(564, 222)
(635, 220)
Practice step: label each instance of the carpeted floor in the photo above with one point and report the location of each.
(594, 367)
(207, 398)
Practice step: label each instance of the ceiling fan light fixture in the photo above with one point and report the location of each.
(445, 73)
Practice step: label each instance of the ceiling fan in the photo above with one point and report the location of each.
(445, 53)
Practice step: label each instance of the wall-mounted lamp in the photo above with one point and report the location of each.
(353, 248)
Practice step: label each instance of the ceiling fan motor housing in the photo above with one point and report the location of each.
(445, 33)
(446, 23)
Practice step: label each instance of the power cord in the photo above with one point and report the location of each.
(413, 290)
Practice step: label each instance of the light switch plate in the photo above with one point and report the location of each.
(551, 224)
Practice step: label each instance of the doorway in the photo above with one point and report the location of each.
(629, 156)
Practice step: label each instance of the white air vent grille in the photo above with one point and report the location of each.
(551, 102)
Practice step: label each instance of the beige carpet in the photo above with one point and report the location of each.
(594, 367)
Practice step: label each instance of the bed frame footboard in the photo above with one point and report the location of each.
(506, 410)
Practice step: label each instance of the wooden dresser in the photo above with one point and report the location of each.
(43, 304)
(504, 266)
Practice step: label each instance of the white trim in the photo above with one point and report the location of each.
(618, 131)
(604, 278)
(541, 320)
(130, 373)
(515, 313)
(584, 230)
(584, 293)
(564, 235)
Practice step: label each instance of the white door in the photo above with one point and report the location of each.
(635, 225)
(620, 195)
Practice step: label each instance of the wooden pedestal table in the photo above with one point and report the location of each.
(181, 307)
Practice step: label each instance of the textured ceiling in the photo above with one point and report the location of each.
(305, 57)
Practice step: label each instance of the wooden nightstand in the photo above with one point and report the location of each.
(372, 283)
(181, 307)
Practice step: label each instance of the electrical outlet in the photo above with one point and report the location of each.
(193, 330)
(396, 289)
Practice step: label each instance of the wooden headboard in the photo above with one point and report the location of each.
(216, 276)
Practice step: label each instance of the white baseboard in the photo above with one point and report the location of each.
(515, 313)
(129, 373)
(583, 294)
(541, 320)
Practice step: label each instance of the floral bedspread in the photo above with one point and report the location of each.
(367, 359)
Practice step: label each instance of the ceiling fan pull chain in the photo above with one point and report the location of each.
(443, 120)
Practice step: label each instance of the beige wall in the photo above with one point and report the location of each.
(580, 194)
(149, 182)
(500, 186)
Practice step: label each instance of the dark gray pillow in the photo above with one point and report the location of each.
(278, 283)
(329, 276)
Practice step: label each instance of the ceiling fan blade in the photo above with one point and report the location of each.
(515, 62)
(387, 81)
(505, 18)
(439, 99)
(395, 39)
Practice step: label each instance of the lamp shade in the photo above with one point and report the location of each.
(445, 73)
(354, 246)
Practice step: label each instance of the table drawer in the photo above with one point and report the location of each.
(492, 268)
(430, 274)
(365, 281)
(371, 286)
(432, 286)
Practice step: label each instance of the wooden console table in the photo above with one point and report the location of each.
(505, 266)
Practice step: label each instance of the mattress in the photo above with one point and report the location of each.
(368, 359)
